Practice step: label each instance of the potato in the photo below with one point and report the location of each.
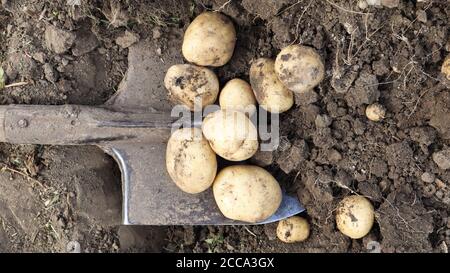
(191, 85)
(375, 112)
(190, 161)
(355, 216)
(445, 69)
(209, 40)
(246, 193)
(293, 229)
(231, 134)
(299, 68)
(270, 93)
(238, 95)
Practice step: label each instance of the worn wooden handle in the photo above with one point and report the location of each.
(78, 125)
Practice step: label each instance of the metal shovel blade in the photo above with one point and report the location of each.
(151, 198)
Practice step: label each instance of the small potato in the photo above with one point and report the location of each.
(238, 95)
(270, 93)
(190, 161)
(375, 112)
(355, 216)
(192, 85)
(293, 229)
(445, 69)
(246, 193)
(209, 40)
(299, 68)
(231, 134)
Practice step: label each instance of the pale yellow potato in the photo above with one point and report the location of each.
(209, 40)
(231, 134)
(191, 85)
(269, 91)
(355, 216)
(299, 68)
(375, 112)
(238, 95)
(190, 161)
(293, 229)
(445, 69)
(246, 193)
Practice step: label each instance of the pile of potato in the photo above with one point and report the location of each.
(242, 192)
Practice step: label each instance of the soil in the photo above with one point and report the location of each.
(67, 199)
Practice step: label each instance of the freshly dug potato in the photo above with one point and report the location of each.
(246, 193)
(375, 112)
(293, 229)
(192, 85)
(445, 69)
(299, 68)
(231, 134)
(270, 93)
(238, 95)
(209, 40)
(190, 161)
(355, 216)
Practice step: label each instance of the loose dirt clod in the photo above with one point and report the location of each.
(58, 40)
(442, 159)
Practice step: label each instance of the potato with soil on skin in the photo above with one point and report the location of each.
(238, 95)
(355, 216)
(445, 69)
(209, 40)
(375, 112)
(246, 193)
(293, 229)
(190, 161)
(191, 85)
(231, 134)
(269, 91)
(299, 68)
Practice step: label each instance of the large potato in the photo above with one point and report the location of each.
(209, 40)
(299, 68)
(246, 193)
(270, 93)
(293, 229)
(355, 216)
(190, 161)
(191, 85)
(238, 95)
(231, 134)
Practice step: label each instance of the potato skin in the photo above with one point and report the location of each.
(190, 161)
(299, 68)
(231, 134)
(269, 91)
(191, 85)
(355, 216)
(246, 193)
(238, 95)
(209, 40)
(293, 229)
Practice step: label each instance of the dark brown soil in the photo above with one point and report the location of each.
(54, 198)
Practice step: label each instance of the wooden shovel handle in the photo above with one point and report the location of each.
(79, 125)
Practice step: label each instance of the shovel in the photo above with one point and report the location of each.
(132, 128)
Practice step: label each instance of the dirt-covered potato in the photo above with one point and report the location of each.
(445, 69)
(191, 85)
(209, 40)
(246, 193)
(354, 216)
(238, 95)
(375, 112)
(190, 161)
(299, 68)
(231, 134)
(269, 91)
(293, 229)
